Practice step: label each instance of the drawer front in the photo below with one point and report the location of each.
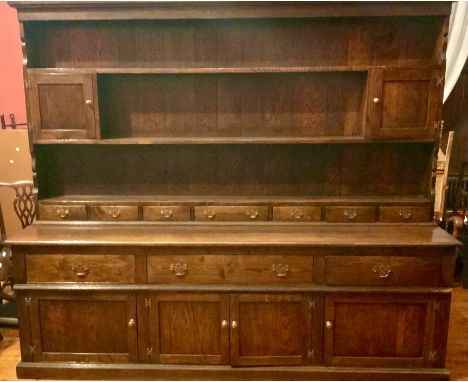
(231, 213)
(349, 214)
(404, 214)
(382, 270)
(113, 213)
(166, 213)
(80, 268)
(62, 212)
(297, 214)
(225, 269)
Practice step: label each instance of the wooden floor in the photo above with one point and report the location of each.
(457, 354)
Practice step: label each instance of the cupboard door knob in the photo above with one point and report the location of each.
(131, 323)
(88, 102)
(179, 269)
(234, 324)
(166, 213)
(351, 214)
(281, 270)
(210, 214)
(376, 100)
(252, 214)
(224, 324)
(329, 324)
(383, 271)
(405, 214)
(62, 213)
(114, 213)
(81, 270)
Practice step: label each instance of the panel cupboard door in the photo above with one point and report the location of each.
(403, 103)
(189, 328)
(275, 329)
(84, 327)
(384, 330)
(63, 105)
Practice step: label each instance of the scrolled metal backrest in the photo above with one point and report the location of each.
(24, 204)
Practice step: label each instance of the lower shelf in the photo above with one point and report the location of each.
(82, 371)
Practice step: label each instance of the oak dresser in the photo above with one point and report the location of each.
(233, 191)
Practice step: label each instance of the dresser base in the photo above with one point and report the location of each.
(77, 371)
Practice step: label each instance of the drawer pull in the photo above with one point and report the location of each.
(281, 270)
(114, 213)
(88, 102)
(166, 213)
(62, 213)
(210, 214)
(234, 324)
(405, 214)
(350, 214)
(297, 214)
(179, 269)
(382, 270)
(81, 270)
(131, 323)
(252, 214)
(224, 324)
(329, 324)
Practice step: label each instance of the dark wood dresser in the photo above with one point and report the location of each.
(233, 191)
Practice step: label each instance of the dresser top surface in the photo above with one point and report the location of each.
(233, 234)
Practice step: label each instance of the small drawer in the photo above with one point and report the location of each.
(382, 270)
(80, 268)
(62, 212)
(231, 213)
(403, 214)
(227, 269)
(113, 213)
(349, 214)
(297, 214)
(166, 213)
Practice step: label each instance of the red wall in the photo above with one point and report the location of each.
(11, 70)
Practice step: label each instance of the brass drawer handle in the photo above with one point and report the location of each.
(252, 214)
(81, 270)
(131, 323)
(382, 270)
(281, 270)
(297, 214)
(210, 214)
(376, 100)
(166, 213)
(406, 214)
(179, 269)
(224, 324)
(329, 324)
(234, 324)
(88, 102)
(62, 213)
(114, 213)
(350, 214)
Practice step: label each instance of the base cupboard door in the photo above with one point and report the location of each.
(189, 328)
(275, 329)
(83, 327)
(383, 330)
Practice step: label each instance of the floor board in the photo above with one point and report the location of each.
(457, 353)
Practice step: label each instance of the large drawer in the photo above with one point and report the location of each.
(297, 213)
(231, 213)
(166, 213)
(62, 212)
(113, 213)
(406, 214)
(230, 269)
(361, 214)
(383, 270)
(80, 268)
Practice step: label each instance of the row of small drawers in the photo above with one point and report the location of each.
(238, 269)
(333, 214)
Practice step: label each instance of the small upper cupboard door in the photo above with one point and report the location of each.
(84, 328)
(189, 328)
(386, 331)
(403, 103)
(62, 105)
(275, 329)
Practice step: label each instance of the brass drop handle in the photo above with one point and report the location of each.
(88, 102)
(114, 213)
(376, 100)
(351, 214)
(210, 214)
(224, 324)
(166, 213)
(329, 324)
(383, 271)
(297, 214)
(62, 213)
(405, 214)
(179, 269)
(252, 214)
(234, 324)
(81, 270)
(131, 323)
(281, 270)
